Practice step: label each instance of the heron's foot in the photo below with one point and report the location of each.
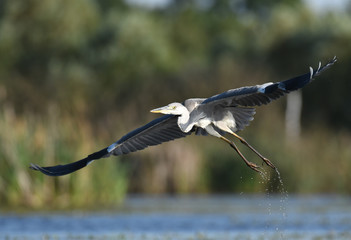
(269, 163)
(253, 166)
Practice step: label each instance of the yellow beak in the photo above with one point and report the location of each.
(163, 110)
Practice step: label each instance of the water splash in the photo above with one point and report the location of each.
(264, 174)
(284, 196)
(283, 192)
(269, 179)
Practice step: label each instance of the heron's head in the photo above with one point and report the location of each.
(172, 108)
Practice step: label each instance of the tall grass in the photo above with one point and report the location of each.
(320, 162)
(52, 140)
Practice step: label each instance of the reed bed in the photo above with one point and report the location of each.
(318, 163)
(52, 140)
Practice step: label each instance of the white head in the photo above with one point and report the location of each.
(172, 108)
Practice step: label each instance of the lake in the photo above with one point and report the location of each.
(243, 216)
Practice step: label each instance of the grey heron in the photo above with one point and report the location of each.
(225, 113)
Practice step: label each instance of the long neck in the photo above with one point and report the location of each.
(184, 121)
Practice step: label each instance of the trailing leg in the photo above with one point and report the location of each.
(266, 160)
(248, 163)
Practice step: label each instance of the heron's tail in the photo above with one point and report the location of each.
(60, 170)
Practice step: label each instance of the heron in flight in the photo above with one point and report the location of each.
(225, 113)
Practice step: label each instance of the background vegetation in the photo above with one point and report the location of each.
(77, 75)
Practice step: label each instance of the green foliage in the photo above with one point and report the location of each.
(227, 172)
(47, 141)
(103, 64)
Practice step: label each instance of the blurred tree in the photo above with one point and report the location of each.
(107, 5)
(266, 5)
(41, 46)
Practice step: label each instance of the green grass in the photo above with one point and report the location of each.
(51, 141)
(318, 163)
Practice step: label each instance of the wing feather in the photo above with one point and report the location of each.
(160, 130)
(163, 129)
(263, 94)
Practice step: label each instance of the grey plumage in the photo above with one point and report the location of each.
(225, 113)
(160, 130)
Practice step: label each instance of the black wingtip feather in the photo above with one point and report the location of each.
(326, 66)
(300, 81)
(61, 170)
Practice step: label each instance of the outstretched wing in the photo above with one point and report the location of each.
(160, 130)
(265, 93)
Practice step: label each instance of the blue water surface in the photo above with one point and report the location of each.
(192, 217)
